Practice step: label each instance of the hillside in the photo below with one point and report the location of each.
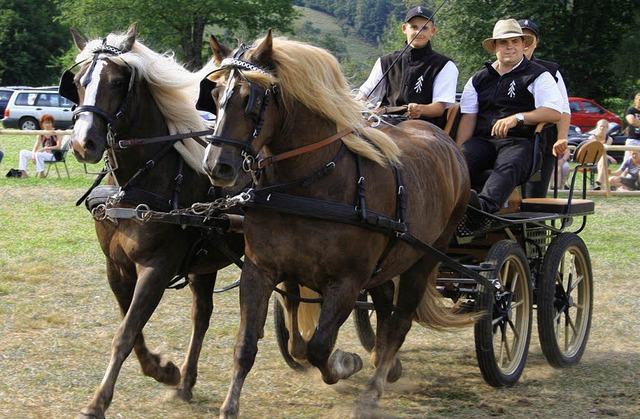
(356, 54)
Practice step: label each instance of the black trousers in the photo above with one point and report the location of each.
(509, 160)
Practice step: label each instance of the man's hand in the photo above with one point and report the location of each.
(560, 146)
(502, 126)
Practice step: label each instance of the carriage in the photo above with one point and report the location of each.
(494, 268)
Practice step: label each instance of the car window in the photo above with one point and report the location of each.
(65, 103)
(5, 94)
(575, 107)
(44, 100)
(591, 108)
(28, 99)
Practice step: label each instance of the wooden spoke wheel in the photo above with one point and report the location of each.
(565, 300)
(502, 336)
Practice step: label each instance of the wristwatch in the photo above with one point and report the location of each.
(520, 118)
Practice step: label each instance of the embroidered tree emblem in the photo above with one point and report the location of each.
(418, 86)
(512, 89)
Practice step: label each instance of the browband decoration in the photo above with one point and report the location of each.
(243, 65)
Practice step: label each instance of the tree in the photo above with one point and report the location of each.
(30, 42)
(587, 38)
(180, 25)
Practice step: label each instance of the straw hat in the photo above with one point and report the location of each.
(508, 28)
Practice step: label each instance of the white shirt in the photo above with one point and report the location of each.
(444, 85)
(544, 89)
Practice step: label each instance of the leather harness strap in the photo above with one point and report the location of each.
(262, 163)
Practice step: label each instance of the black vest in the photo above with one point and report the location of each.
(549, 65)
(410, 79)
(500, 96)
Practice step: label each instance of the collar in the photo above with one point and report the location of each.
(417, 53)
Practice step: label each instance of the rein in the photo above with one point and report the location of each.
(267, 161)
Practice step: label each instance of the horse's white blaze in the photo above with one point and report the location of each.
(84, 120)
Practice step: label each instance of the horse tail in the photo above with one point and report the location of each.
(433, 313)
(308, 313)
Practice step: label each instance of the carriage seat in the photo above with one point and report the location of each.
(586, 156)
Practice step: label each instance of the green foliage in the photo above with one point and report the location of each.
(179, 24)
(30, 42)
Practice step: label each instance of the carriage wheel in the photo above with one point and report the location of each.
(502, 339)
(565, 300)
(282, 335)
(364, 320)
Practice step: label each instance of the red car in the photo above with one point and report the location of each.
(585, 113)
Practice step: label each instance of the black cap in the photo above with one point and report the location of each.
(419, 11)
(529, 24)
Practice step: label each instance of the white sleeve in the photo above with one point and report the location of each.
(546, 93)
(469, 99)
(445, 83)
(367, 88)
(563, 93)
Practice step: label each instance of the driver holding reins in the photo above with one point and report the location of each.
(417, 81)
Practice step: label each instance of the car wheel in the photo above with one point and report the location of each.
(29, 124)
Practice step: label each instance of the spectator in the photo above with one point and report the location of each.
(563, 169)
(42, 148)
(632, 117)
(602, 130)
(627, 176)
(554, 139)
(416, 78)
(501, 105)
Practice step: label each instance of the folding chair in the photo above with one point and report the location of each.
(61, 157)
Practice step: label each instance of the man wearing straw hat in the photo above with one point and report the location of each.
(501, 105)
(416, 81)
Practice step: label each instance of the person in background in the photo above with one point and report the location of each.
(418, 80)
(42, 149)
(627, 176)
(563, 169)
(501, 105)
(554, 139)
(602, 135)
(632, 117)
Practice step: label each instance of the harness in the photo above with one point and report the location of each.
(272, 197)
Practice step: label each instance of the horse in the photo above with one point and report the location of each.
(126, 91)
(334, 207)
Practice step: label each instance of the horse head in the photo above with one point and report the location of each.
(102, 88)
(243, 95)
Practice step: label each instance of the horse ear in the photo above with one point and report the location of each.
(220, 52)
(78, 39)
(130, 37)
(264, 50)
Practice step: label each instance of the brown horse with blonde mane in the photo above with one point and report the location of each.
(333, 193)
(126, 91)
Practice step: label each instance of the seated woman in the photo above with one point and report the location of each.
(602, 130)
(42, 149)
(626, 177)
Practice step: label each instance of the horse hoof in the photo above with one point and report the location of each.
(90, 414)
(345, 363)
(395, 372)
(182, 394)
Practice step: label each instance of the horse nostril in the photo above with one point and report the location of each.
(224, 171)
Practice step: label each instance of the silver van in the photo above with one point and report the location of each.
(26, 106)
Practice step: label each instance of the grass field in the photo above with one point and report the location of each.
(57, 318)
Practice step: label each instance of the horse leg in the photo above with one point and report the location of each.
(301, 319)
(338, 302)
(201, 309)
(411, 288)
(137, 307)
(383, 300)
(256, 287)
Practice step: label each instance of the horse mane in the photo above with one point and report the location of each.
(312, 76)
(174, 88)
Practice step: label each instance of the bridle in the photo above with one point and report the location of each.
(259, 100)
(68, 89)
(257, 104)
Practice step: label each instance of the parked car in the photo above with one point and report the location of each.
(586, 113)
(5, 94)
(26, 106)
(615, 131)
(574, 130)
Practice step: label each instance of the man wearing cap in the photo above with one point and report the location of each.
(416, 78)
(501, 105)
(554, 140)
